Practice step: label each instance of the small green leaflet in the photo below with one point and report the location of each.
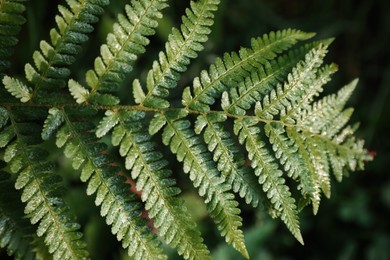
(17, 89)
(78, 92)
(107, 123)
(52, 122)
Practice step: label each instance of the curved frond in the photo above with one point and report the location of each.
(158, 189)
(282, 99)
(120, 208)
(235, 67)
(260, 82)
(226, 154)
(318, 114)
(51, 61)
(297, 167)
(11, 20)
(16, 233)
(187, 146)
(270, 176)
(41, 190)
(124, 44)
(322, 77)
(180, 48)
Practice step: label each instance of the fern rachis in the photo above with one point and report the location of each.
(249, 123)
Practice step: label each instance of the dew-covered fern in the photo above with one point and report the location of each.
(253, 125)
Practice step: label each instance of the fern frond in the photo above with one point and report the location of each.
(315, 195)
(284, 98)
(16, 233)
(51, 61)
(320, 123)
(323, 76)
(260, 82)
(41, 191)
(297, 168)
(118, 205)
(11, 20)
(235, 67)
(159, 192)
(227, 156)
(270, 176)
(124, 44)
(252, 124)
(187, 146)
(180, 48)
(316, 116)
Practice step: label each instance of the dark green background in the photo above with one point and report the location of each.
(354, 223)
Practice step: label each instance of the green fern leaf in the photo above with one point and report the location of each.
(6, 136)
(156, 124)
(319, 113)
(78, 92)
(16, 234)
(41, 191)
(285, 151)
(323, 76)
(227, 156)
(52, 122)
(17, 89)
(284, 98)
(252, 124)
(181, 47)
(118, 206)
(264, 79)
(110, 120)
(11, 20)
(73, 23)
(61, 234)
(123, 45)
(270, 176)
(220, 203)
(158, 190)
(3, 117)
(236, 66)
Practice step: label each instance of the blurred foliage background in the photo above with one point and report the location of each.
(354, 223)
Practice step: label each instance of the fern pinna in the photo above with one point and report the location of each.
(247, 125)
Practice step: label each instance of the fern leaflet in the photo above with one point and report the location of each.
(227, 156)
(153, 178)
(16, 233)
(181, 47)
(220, 203)
(41, 189)
(236, 66)
(120, 208)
